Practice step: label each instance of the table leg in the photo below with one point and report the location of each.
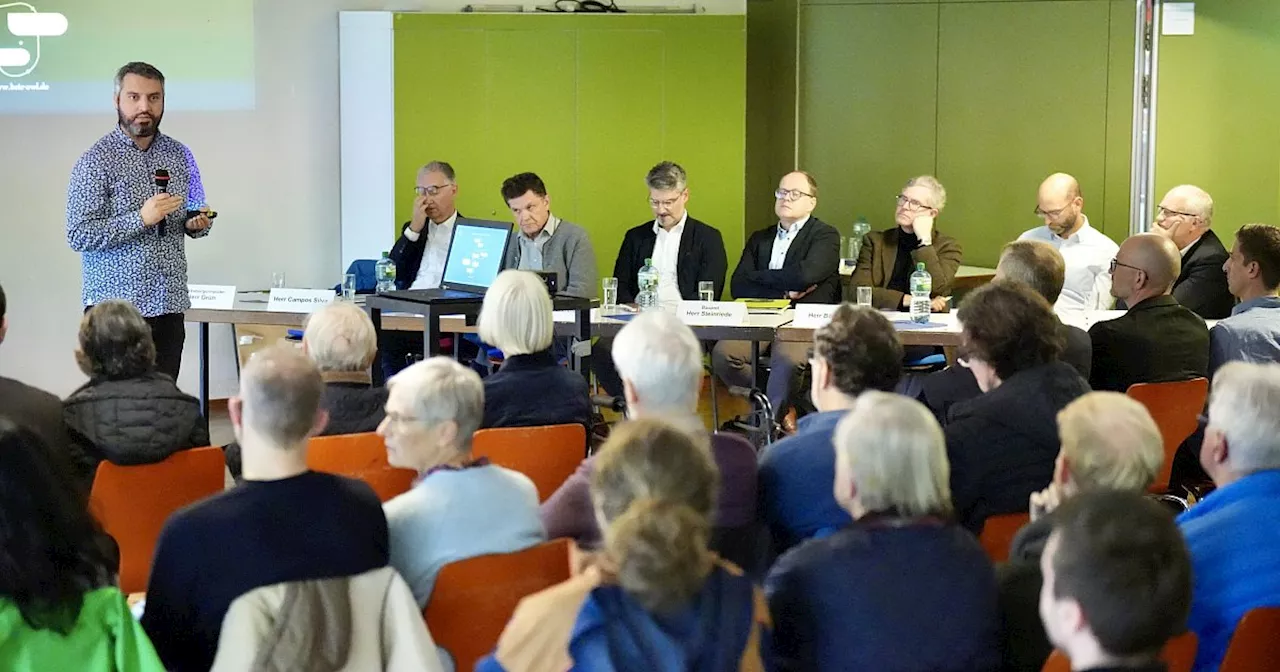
(204, 369)
(583, 325)
(755, 365)
(430, 332)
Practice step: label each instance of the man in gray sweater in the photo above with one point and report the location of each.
(546, 242)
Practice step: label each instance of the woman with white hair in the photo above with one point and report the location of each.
(903, 587)
(531, 389)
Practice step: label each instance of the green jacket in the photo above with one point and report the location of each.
(105, 638)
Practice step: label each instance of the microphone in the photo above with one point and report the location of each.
(161, 178)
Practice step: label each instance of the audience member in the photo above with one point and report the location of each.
(545, 242)
(1002, 444)
(660, 363)
(1252, 333)
(656, 598)
(284, 523)
(888, 258)
(459, 507)
(340, 339)
(1117, 582)
(857, 350)
(1109, 442)
(1157, 340)
(797, 259)
(128, 412)
(1039, 266)
(1234, 533)
(685, 251)
(30, 406)
(1085, 250)
(903, 587)
(1184, 216)
(59, 609)
(531, 388)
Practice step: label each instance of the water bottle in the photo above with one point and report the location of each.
(385, 272)
(853, 245)
(921, 287)
(647, 299)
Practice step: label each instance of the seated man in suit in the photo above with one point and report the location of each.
(888, 258)
(797, 259)
(547, 243)
(1157, 340)
(685, 251)
(1252, 333)
(1039, 266)
(1086, 250)
(1184, 216)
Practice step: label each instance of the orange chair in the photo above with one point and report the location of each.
(133, 503)
(473, 599)
(1175, 407)
(998, 532)
(1255, 646)
(547, 455)
(1179, 655)
(362, 456)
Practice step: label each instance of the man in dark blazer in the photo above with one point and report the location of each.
(1158, 339)
(690, 252)
(798, 259)
(1184, 216)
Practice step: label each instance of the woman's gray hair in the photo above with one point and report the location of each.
(340, 337)
(896, 454)
(115, 342)
(1243, 406)
(444, 390)
(516, 316)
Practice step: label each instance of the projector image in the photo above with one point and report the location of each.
(24, 21)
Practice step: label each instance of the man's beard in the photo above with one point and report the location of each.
(137, 130)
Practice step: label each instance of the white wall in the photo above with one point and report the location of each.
(271, 173)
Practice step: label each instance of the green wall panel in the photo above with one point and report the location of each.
(772, 40)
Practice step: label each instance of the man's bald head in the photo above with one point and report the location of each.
(1156, 256)
(1060, 186)
(280, 391)
(1060, 204)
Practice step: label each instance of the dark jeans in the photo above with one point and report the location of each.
(169, 333)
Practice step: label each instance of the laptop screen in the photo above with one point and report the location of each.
(475, 253)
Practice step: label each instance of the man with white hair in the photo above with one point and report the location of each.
(1184, 217)
(901, 588)
(1234, 533)
(284, 523)
(660, 363)
(1109, 442)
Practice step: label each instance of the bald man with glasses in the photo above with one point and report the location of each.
(1086, 250)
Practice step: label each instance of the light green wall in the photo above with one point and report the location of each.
(588, 102)
(771, 105)
(1218, 111)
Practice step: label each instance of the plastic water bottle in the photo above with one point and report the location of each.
(647, 299)
(385, 272)
(921, 287)
(853, 245)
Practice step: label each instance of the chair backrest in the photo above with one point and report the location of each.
(1179, 655)
(133, 503)
(548, 455)
(1175, 407)
(1256, 642)
(998, 533)
(474, 598)
(362, 456)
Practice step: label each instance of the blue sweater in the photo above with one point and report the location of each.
(796, 478)
(1234, 539)
(534, 390)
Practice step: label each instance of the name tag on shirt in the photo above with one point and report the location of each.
(713, 313)
(813, 315)
(285, 300)
(215, 297)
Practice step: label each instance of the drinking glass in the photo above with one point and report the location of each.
(349, 286)
(610, 294)
(864, 296)
(706, 290)
(277, 280)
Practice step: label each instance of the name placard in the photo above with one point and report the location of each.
(285, 300)
(216, 297)
(713, 313)
(813, 315)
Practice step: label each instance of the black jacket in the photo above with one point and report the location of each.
(1156, 341)
(1025, 646)
(532, 391)
(1002, 444)
(136, 421)
(701, 257)
(407, 255)
(1202, 285)
(812, 259)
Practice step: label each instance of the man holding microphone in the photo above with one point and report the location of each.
(132, 197)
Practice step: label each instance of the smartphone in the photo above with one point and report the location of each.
(197, 213)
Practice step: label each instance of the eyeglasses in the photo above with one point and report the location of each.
(430, 189)
(1051, 214)
(1116, 262)
(669, 203)
(912, 203)
(1162, 212)
(790, 195)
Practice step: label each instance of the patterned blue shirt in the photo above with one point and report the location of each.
(121, 258)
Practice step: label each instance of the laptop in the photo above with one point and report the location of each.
(477, 249)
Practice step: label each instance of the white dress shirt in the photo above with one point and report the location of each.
(665, 252)
(783, 243)
(1087, 254)
(431, 271)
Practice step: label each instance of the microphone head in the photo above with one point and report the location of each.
(161, 177)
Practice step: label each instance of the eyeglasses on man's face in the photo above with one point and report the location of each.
(906, 201)
(1163, 213)
(1051, 214)
(1116, 262)
(431, 189)
(790, 195)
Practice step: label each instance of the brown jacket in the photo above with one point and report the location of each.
(880, 251)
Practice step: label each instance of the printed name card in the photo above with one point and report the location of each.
(299, 300)
(216, 297)
(713, 313)
(813, 315)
